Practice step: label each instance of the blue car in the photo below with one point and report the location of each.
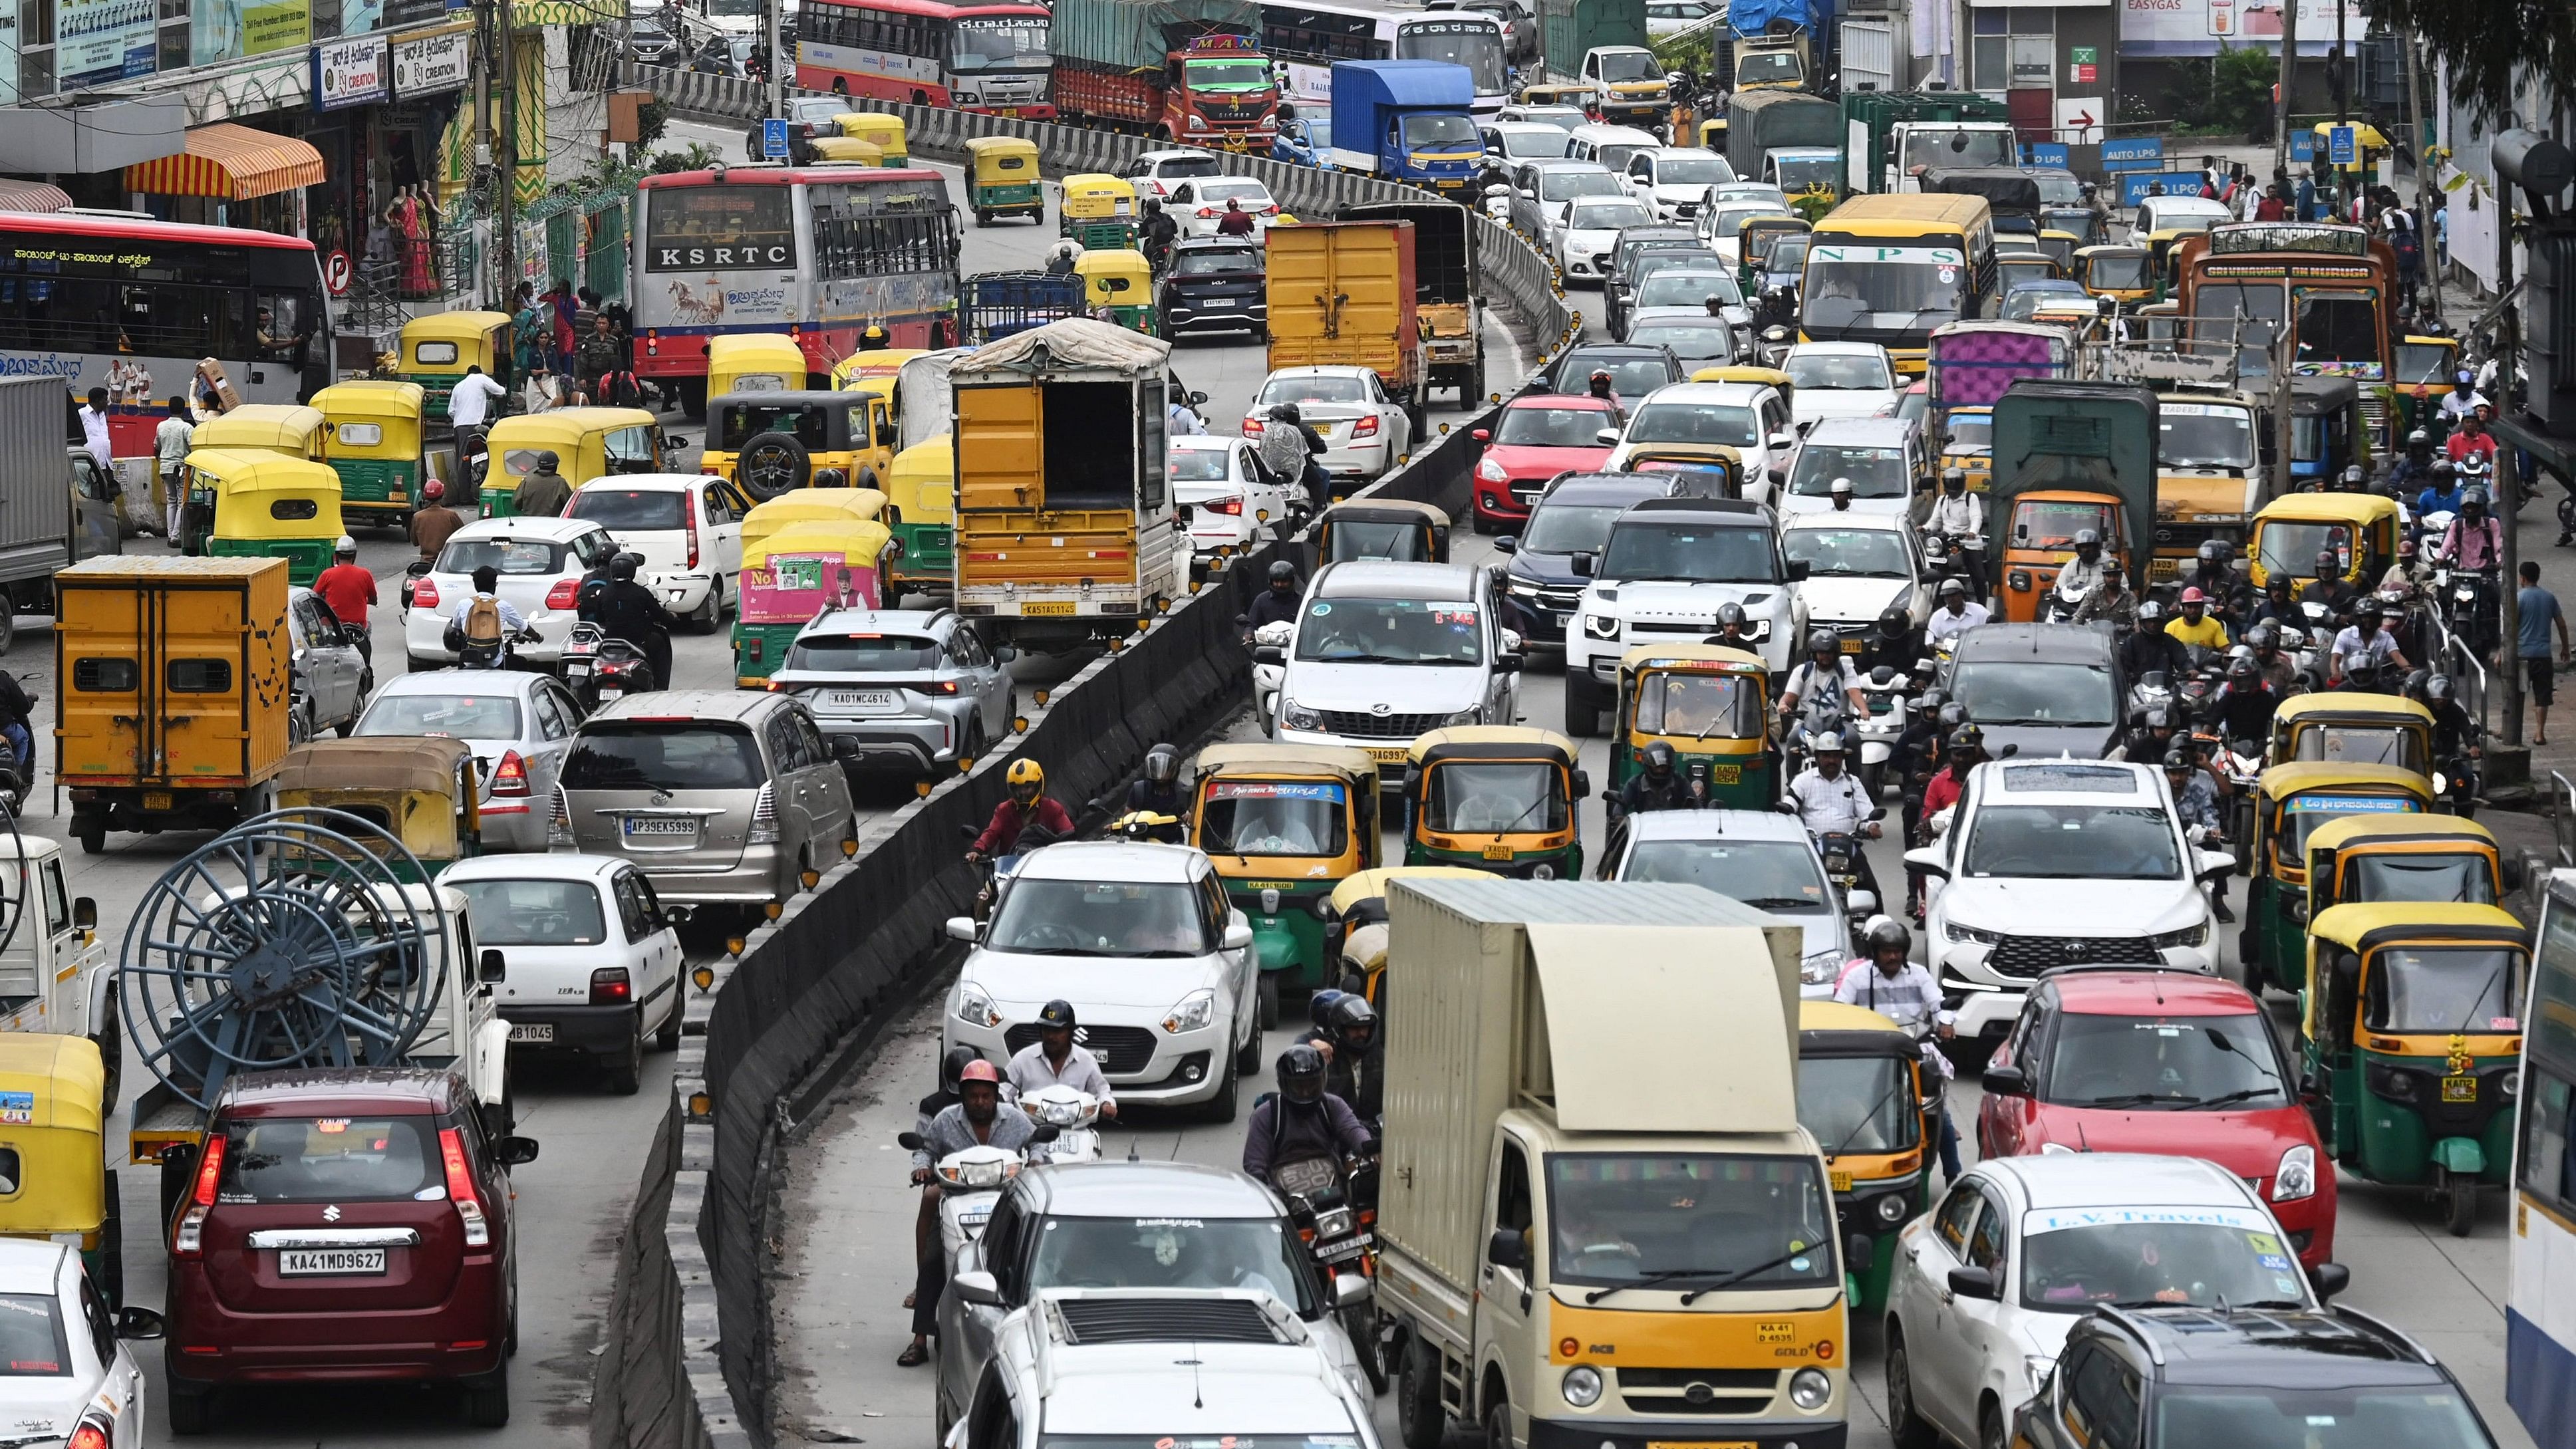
(1304, 142)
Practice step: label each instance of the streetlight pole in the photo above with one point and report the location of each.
(2509, 573)
(505, 153)
(2287, 85)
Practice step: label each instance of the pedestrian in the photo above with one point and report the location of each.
(170, 444)
(2441, 238)
(2274, 205)
(469, 403)
(2537, 613)
(2306, 200)
(565, 339)
(601, 355)
(2410, 253)
(585, 310)
(350, 591)
(93, 422)
(2211, 178)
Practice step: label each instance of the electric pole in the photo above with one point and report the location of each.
(774, 21)
(2423, 184)
(2288, 87)
(505, 154)
(2509, 562)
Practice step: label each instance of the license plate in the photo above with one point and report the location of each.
(1389, 755)
(329, 1262)
(1347, 1248)
(1058, 610)
(2163, 568)
(1218, 302)
(1842, 1181)
(1011, 111)
(867, 699)
(2459, 1089)
(608, 692)
(576, 672)
(1725, 774)
(659, 825)
(157, 800)
(1852, 646)
(1498, 852)
(532, 1031)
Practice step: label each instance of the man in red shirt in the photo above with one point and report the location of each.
(2471, 437)
(1967, 750)
(1236, 221)
(350, 591)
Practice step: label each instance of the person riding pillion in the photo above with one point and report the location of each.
(627, 610)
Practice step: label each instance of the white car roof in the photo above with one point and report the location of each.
(554, 530)
(925, 620)
(1733, 394)
(1320, 369)
(514, 682)
(666, 482)
(2053, 782)
(1836, 349)
(1204, 443)
(1716, 825)
(1112, 860)
(1623, 135)
(1184, 153)
(30, 1266)
(1852, 518)
(2117, 1179)
(1252, 181)
(524, 865)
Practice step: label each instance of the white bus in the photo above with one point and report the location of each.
(2540, 1311)
(1305, 40)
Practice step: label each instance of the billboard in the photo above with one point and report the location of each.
(100, 41)
(2198, 27)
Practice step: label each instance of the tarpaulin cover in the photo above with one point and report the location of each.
(1748, 17)
(1074, 342)
(1974, 363)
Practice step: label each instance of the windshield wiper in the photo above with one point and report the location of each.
(1544, 797)
(1866, 1118)
(1651, 1280)
(1354, 659)
(1781, 903)
(2242, 1094)
(1731, 1279)
(2133, 1099)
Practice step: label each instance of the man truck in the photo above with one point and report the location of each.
(1182, 71)
(1890, 138)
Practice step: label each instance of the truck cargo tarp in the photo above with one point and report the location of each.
(2004, 188)
(1593, 978)
(1748, 17)
(1137, 34)
(1973, 363)
(1075, 342)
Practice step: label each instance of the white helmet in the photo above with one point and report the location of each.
(1839, 486)
(1829, 743)
(347, 547)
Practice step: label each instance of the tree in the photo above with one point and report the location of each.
(2240, 89)
(2485, 42)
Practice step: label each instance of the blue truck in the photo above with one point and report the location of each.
(1407, 120)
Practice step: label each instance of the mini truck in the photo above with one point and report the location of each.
(1601, 1227)
(1344, 294)
(1890, 138)
(1183, 71)
(1409, 121)
(1447, 294)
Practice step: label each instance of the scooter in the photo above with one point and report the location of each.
(1267, 678)
(970, 1182)
(1883, 689)
(1070, 1111)
(599, 669)
(1822, 713)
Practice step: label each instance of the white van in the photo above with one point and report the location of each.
(1609, 146)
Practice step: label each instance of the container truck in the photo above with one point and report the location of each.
(1599, 1220)
(1890, 138)
(1343, 293)
(1407, 120)
(1446, 290)
(1187, 71)
(1786, 139)
(1569, 30)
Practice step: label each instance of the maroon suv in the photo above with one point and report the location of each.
(345, 1225)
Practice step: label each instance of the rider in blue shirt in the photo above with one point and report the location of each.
(2443, 495)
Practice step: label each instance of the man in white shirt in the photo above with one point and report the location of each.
(93, 421)
(1955, 617)
(1053, 1058)
(469, 405)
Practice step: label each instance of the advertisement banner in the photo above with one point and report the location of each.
(100, 41)
(2198, 27)
(428, 65)
(229, 29)
(351, 72)
(2134, 185)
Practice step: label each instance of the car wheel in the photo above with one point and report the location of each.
(624, 1073)
(1268, 994)
(192, 1410)
(1419, 1420)
(1990, 1425)
(1907, 1424)
(1247, 1057)
(666, 1037)
(487, 1399)
(1220, 1108)
(710, 615)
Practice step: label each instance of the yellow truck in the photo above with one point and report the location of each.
(1599, 1220)
(1345, 294)
(1065, 526)
(2209, 482)
(173, 703)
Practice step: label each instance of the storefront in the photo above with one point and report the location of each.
(2049, 61)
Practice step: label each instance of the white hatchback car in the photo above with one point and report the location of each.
(1199, 205)
(2060, 862)
(2020, 1248)
(71, 1379)
(1591, 229)
(1840, 380)
(540, 562)
(1750, 417)
(688, 527)
(1364, 430)
(1859, 566)
(1226, 498)
(1155, 173)
(593, 966)
(1160, 970)
(1756, 858)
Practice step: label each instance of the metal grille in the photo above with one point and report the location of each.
(1697, 1391)
(1673, 626)
(2027, 956)
(1164, 1320)
(1363, 725)
(1122, 1050)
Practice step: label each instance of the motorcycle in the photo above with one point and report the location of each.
(1070, 1111)
(1883, 689)
(413, 573)
(2468, 605)
(1334, 1207)
(1823, 712)
(598, 669)
(1149, 827)
(970, 1182)
(470, 655)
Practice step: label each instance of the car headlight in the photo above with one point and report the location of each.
(1820, 967)
(1891, 1208)
(1491, 471)
(1957, 932)
(1191, 1012)
(1522, 588)
(975, 1008)
(2188, 936)
(1601, 626)
(1810, 1389)
(1295, 716)
(2296, 1177)
(1582, 1386)
(1463, 717)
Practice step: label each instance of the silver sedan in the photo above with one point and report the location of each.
(519, 726)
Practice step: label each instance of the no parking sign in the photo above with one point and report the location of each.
(336, 273)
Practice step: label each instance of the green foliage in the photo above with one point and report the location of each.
(2187, 95)
(2240, 89)
(698, 157)
(651, 120)
(2487, 42)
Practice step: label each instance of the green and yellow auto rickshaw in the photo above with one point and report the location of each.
(1003, 179)
(2378, 859)
(1099, 211)
(2291, 802)
(1862, 1096)
(2353, 727)
(1284, 824)
(2291, 531)
(1118, 286)
(425, 792)
(437, 350)
(1501, 797)
(1710, 703)
(376, 447)
(2411, 1038)
(1355, 925)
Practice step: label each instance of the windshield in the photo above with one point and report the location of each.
(1786, 254)
(2305, 814)
(1838, 370)
(622, 509)
(1100, 918)
(1877, 553)
(1874, 472)
(534, 912)
(2027, 299)
(2204, 435)
(1535, 143)
(1569, 182)
(330, 1160)
(2123, 272)
(720, 228)
(1674, 287)
(2020, 692)
(1315, 387)
(1859, 1104)
(2048, 523)
(1629, 65)
(1391, 631)
(640, 755)
(1765, 67)
(1730, 222)
(1972, 430)
(2180, 1062)
(1941, 147)
(1694, 422)
(2291, 547)
(1003, 43)
(1689, 170)
(1905, 289)
(1703, 706)
(1629, 376)
(863, 653)
(1570, 527)
(1800, 173)
(2426, 990)
(2419, 362)
(1501, 797)
(1184, 168)
(1692, 342)
(2161, 1256)
(1174, 1253)
(1201, 465)
(1551, 427)
(1779, 876)
(2426, 877)
(455, 716)
(1606, 215)
(2260, 303)
(503, 555)
(1690, 553)
(1441, 133)
(1701, 1218)
(2072, 842)
(1273, 817)
(1475, 44)
(1225, 75)
(2340, 327)
(2194, 1417)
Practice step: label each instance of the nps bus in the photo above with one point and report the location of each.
(991, 58)
(1890, 268)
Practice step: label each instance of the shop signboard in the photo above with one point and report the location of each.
(2202, 27)
(2134, 185)
(228, 29)
(97, 42)
(2134, 153)
(350, 72)
(428, 65)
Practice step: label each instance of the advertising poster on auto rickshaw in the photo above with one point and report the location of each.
(786, 587)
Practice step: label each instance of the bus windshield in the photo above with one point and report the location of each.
(1475, 44)
(720, 229)
(1851, 289)
(2204, 435)
(1000, 42)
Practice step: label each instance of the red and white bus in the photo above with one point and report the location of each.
(821, 253)
(979, 57)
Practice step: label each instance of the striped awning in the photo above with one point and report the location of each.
(229, 163)
(16, 195)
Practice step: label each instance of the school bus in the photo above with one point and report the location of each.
(1890, 268)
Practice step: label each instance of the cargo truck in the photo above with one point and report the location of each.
(1185, 71)
(1445, 290)
(44, 528)
(2069, 455)
(1344, 293)
(1890, 138)
(1569, 30)
(1065, 530)
(1786, 139)
(1407, 120)
(1599, 1221)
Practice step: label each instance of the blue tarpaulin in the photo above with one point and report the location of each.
(1748, 17)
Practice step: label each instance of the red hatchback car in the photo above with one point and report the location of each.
(1533, 440)
(2120, 1059)
(345, 1225)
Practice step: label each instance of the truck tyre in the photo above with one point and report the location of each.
(93, 840)
(1419, 1420)
(1498, 1425)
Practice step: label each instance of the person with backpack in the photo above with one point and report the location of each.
(627, 610)
(17, 711)
(484, 624)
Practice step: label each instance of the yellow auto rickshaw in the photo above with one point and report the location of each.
(437, 349)
(857, 370)
(2292, 802)
(2014, 268)
(1382, 528)
(2291, 531)
(1355, 925)
(266, 505)
(376, 447)
(794, 573)
(2353, 727)
(289, 429)
(921, 496)
(425, 791)
(2376, 859)
(879, 129)
(1498, 796)
(1862, 1094)
(2424, 370)
(2060, 247)
(2410, 1042)
(1968, 444)
(1118, 286)
(1002, 179)
(848, 150)
(812, 505)
(1284, 824)
(2118, 274)
(57, 1188)
(1710, 703)
(1706, 470)
(2076, 222)
(1583, 96)
(1100, 211)
(587, 443)
(1712, 135)
(756, 362)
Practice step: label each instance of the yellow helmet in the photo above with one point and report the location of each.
(1026, 772)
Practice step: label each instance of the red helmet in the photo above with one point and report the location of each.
(2194, 596)
(980, 1070)
(432, 491)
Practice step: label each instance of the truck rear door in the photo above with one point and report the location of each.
(198, 684)
(100, 659)
(1336, 294)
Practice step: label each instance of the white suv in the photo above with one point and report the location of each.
(2060, 862)
(1385, 651)
(1670, 564)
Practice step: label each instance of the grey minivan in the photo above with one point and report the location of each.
(723, 797)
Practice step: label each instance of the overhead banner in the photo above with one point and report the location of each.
(229, 29)
(100, 41)
(428, 65)
(2199, 27)
(350, 72)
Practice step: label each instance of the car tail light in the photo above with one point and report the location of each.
(88, 1436)
(1206, 211)
(936, 686)
(1271, 210)
(693, 536)
(186, 1241)
(424, 594)
(1365, 427)
(609, 987)
(563, 594)
(1252, 427)
(559, 824)
(510, 777)
(1233, 506)
(460, 1188)
(764, 818)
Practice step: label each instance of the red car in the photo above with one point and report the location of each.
(345, 1225)
(1535, 439)
(2119, 1059)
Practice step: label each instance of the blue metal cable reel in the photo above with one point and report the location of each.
(288, 941)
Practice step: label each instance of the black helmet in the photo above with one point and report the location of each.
(1821, 641)
(953, 1062)
(1954, 715)
(2179, 758)
(1282, 571)
(2437, 688)
(2264, 636)
(1056, 1015)
(545, 463)
(1730, 612)
(1884, 932)
(1301, 1074)
(2473, 500)
(1350, 1019)
(2087, 538)
(622, 568)
(1967, 737)
(1894, 622)
(2212, 551)
(1287, 413)
(1162, 764)
(1659, 759)
(1931, 701)
(2157, 717)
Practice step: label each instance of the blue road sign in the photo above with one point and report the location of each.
(2303, 145)
(773, 139)
(2134, 184)
(2137, 153)
(2340, 147)
(2045, 153)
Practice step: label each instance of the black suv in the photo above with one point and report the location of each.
(1214, 284)
(2259, 1378)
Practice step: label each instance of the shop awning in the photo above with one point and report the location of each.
(16, 195)
(229, 163)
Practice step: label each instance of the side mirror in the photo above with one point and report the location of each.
(516, 1151)
(2007, 752)
(2347, 969)
(1482, 435)
(673, 442)
(961, 928)
(140, 1323)
(1973, 1282)
(1269, 654)
(1781, 442)
(1510, 543)
(1607, 437)
(1857, 1249)
(85, 913)
(1860, 903)
(2328, 1279)
(1044, 1133)
(491, 968)
(1005, 653)
(1798, 570)
(977, 1287)
(2209, 863)
(1238, 934)
(1582, 783)
(1198, 399)
(1928, 859)
(1582, 564)
(909, 1141)
(2005, 1082)
(1352, 1289)
(1505, 1249)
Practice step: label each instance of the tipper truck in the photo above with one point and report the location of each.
(1343, 294)
(1407, 120)
(1187, 71)
(1445, 290)
(1600, 1224)
(1890, 138)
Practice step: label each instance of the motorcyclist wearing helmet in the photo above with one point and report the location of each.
(1895, 643)
(1346, 1031)
(1157, 787)
(2352, 480)
(2197, 628)
(1659, 786)
(1966, 751)
(2111, 599)
(2475, 540)
(2241, 707)
(1839, 492)
(2150, 650)
(2196, 808)
(2441, 491)
(1886, 981)
(2272, 663)
(2458, 741)
(1732, 631)
(1158, 233)
(1916, 757)
(1830, 800)
(1028, 804)
(1276, 604)
(1290, 449)
(1956, 614)
(2415, 470)
(1827, 670)
(627, 610)
(2150, 733)
(979, 1118)
(1960, 516)
(1603, 387)
(1054, 1058)
(1301, 1119)
(925, 1225)
(2330, 587)
(2279, 604)
(2081, 574)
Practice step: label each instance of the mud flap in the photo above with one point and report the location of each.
(2461, 1155)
